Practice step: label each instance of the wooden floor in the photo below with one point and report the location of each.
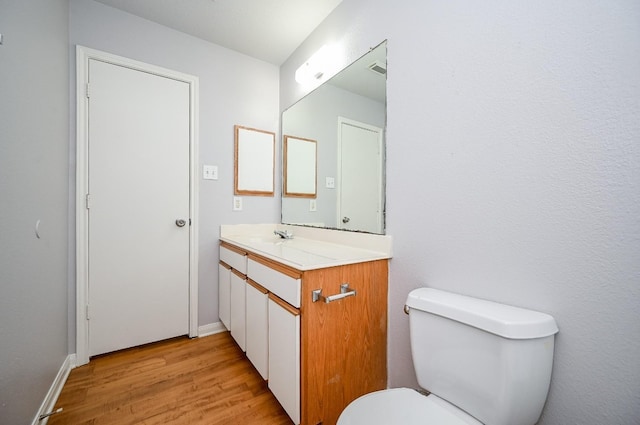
(180, 381)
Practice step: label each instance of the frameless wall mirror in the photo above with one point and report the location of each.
(346, 117)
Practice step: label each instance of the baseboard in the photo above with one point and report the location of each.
(210, 329)
(50, 399)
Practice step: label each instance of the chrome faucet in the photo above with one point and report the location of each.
(284, 234)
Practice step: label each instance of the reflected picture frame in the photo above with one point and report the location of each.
(300, 167)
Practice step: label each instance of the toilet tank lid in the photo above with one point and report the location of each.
(500, 319)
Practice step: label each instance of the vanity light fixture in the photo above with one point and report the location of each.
(317, 65)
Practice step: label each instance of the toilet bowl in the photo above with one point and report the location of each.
(404, 406)
(482, 362)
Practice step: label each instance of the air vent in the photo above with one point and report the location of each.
(378, 67)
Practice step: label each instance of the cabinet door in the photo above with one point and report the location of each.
(344, 342)
(284, 356)
(224, 295)
(257, 340)
(238, 308)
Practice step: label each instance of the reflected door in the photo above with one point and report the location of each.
(360, 197)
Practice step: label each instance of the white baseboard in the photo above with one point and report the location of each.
(50, 399)
(210, 329)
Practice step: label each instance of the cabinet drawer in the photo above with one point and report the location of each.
(285, 287)
(235, 259)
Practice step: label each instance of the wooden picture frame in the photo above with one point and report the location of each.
(300, 167)
(254, 161)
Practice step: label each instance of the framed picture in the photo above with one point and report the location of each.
(254, 161)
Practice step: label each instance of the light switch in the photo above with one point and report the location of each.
(330, 183)
(210, 172)
(237, 203)
(312, 205)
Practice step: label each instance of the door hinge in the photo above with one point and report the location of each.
(87, 91)
(87, 311)
(189, 222)
(88, 201)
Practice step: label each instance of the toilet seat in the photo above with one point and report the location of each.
(403, 406)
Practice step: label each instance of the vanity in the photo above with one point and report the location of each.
(310, 312)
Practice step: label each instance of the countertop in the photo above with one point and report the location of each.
(304, 251)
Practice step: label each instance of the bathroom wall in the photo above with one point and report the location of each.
(34, 142)
(513, 173)
(234, 89)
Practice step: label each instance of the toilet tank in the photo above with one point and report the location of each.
(489, 359)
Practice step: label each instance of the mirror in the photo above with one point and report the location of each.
(346, 118)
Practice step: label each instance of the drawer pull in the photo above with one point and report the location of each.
(344, 293)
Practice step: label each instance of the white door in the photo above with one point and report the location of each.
(138, 184)
(360, 198)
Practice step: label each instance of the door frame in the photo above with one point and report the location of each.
(83, 55)
(380, 132)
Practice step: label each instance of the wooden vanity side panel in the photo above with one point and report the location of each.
(344, 343)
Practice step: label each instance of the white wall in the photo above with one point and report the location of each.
(234, 89)
(34, 142)
(514, 173)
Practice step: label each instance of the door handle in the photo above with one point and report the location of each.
(180, 222)
(345, 219)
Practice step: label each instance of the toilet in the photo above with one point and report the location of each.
(479, 362)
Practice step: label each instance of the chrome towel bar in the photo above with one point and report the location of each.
(345, 292)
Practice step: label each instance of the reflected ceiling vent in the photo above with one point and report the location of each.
(378, 67)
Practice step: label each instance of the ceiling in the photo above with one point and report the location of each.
(269, 30)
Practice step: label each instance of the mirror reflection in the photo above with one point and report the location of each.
(299, 167)
(346, 118)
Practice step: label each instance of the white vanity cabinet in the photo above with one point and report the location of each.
(257, 325)
(322, 351)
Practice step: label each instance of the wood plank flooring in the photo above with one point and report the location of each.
(179, 381)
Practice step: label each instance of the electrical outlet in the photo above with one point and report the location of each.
(237, 203)
(312, 205)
